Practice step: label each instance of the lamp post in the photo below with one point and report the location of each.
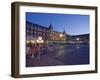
(27, 41)
(29, 48)
(77, 39)
(32, 41)
(61, 37)
(39, 40)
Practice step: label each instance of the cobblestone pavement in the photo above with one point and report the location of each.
(61, 55)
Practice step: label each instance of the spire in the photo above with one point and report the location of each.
(64, 32)
(50, 26)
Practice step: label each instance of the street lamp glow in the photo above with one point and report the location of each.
(42, 41)
(33, 41)
(40, 38)
(61, 35)
(77, 39)
(27, 41)
(37, 41)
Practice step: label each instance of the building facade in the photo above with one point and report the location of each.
(33, 31)
(84, 38)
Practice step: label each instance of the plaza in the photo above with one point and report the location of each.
(58, 54)
(47, 47)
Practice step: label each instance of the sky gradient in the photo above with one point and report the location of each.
(73, 24)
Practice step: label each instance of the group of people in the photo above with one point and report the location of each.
(33, 50)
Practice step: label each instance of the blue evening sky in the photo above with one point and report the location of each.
(73, 24)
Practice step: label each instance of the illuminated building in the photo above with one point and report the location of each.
(33, 31)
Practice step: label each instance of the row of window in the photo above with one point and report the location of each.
(46, 33)
(52, 37)
(41, 32)
(36, 28)
(33, 28)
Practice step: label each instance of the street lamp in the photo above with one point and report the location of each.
(61, 35)
(77, 43)
(33, 41)
(27, 41)
(77, 39)
(30, 41)
(39, 40)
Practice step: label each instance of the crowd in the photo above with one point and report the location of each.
(33, 50)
